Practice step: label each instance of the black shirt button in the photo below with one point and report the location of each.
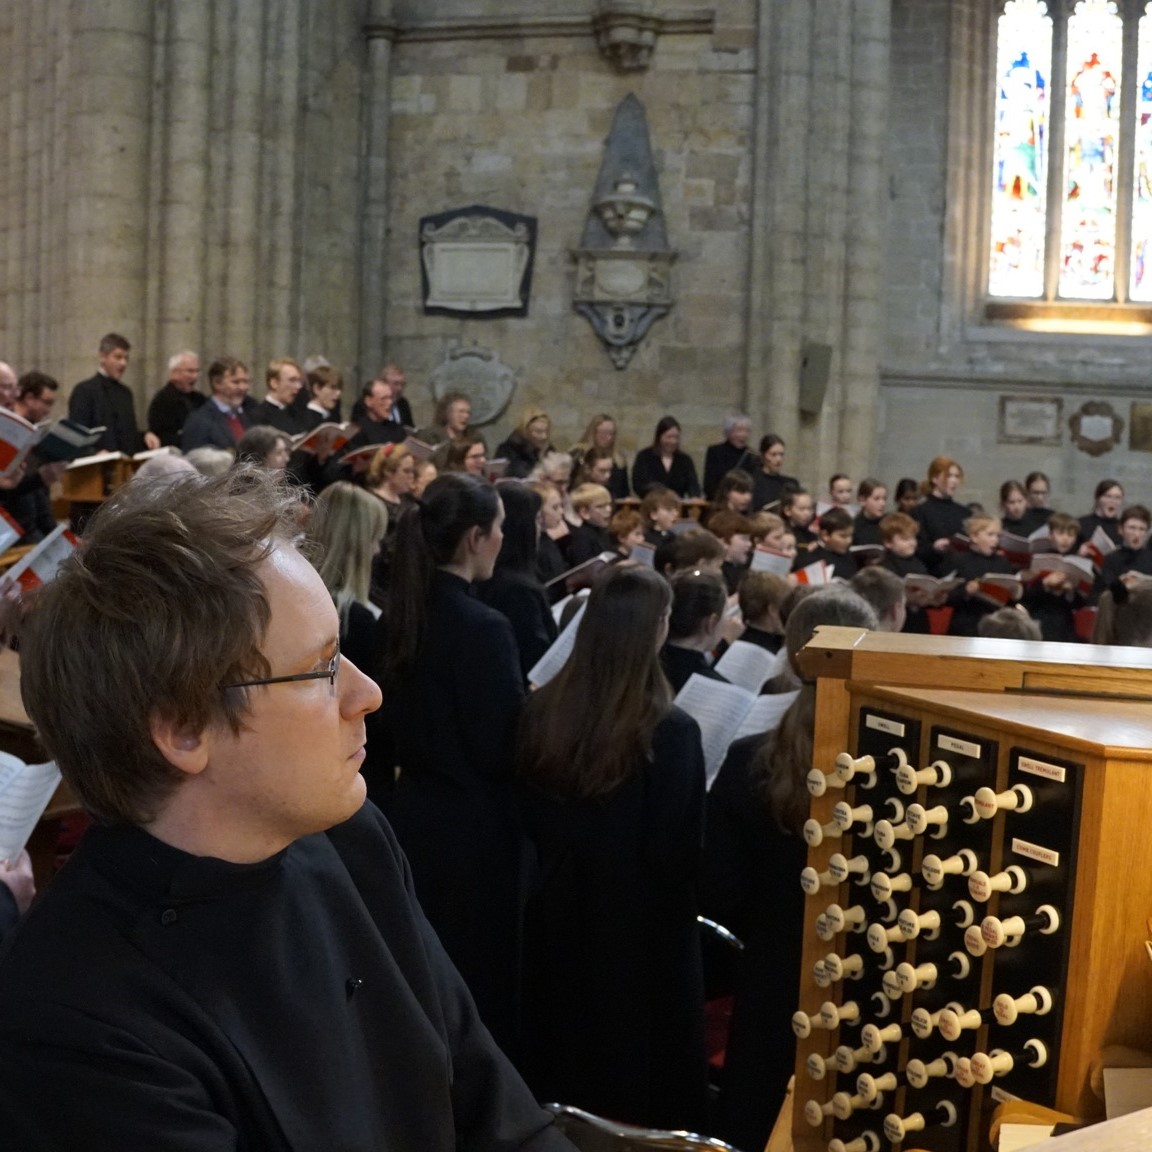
(168, 916)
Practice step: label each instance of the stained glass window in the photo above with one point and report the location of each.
(1141, 287)
(1091, 128)
(1077, 253)
(1020, 179)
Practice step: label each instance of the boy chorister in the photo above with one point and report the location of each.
(982, 559)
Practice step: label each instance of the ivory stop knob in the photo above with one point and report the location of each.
(908, 779)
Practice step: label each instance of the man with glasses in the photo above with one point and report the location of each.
(234, 957)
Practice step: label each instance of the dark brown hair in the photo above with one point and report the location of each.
(836, 519)
(588, 729)
(113, 341)
(36, 384)
(160, 606)
(761, 593)
(428, 536)
(696, 596)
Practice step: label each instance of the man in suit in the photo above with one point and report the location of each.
(235, 956)
(104, 401)
(283, 380)
(177, 400)
(221, 421)
(393, 375)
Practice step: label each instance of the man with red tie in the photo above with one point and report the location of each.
(222, 421)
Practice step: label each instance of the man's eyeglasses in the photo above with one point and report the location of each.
(328, 674)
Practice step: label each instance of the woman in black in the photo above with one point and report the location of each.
(664, 464)
(694, 627)
(753, 854)
(769, 484)
(940, 517)
(514, 588)
(527, 444)
(1105, 514)
(872, 496)
(613, 797)
(1016, 516)
(453, 687)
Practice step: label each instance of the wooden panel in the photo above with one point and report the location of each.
(996, 690)
(972, 663)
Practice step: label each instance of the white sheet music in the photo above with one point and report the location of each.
(25, 790)
(719, 709)
(765, 715)
(557, 656)
(749, 665)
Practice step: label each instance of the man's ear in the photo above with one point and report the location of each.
(182, 745)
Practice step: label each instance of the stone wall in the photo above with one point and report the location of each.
(519, 123)
(186, 174)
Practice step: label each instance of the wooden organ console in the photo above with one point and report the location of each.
(979, 884)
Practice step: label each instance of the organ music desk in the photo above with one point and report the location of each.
(980, 884)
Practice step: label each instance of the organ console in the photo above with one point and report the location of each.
(977, 825)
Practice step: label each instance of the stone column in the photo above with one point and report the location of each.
(826, 204)
(109, 109)
(818, 221)
(16, 176)
(243, 278)
(863, 295)
(380, 32)
(185, 190)
(788, 219)
(276, 318)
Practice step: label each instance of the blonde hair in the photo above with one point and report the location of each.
(529, 416)
(344, 531)
(975, 523)
(273, 370)
(385, 463)
(588, 495)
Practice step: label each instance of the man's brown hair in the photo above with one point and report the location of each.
(223, 366)
(113, 341)
(160, 606)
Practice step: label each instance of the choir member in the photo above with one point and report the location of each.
(664, 463)
(613, 795)
(453, 686)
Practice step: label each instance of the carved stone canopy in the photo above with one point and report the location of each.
(624, 263)
(626, 33)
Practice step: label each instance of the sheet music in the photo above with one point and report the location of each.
(557, 656)
(25, 790)
(719, 709)
(766, 560)
(749, 665)
(765, 715)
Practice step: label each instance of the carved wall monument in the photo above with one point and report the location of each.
(477, 262)
(624, 263)
(479, 373)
